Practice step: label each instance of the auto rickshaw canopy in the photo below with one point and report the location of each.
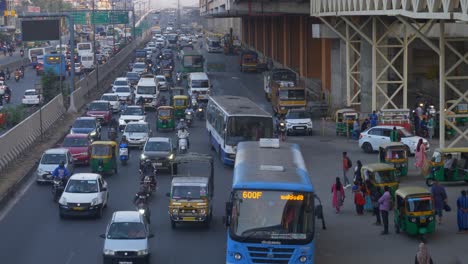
(180, 100)
(403, 192)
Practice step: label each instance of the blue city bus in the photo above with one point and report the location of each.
(56, 63)
(270, 215)
(233, 119)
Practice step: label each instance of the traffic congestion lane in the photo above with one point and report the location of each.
(18, 88)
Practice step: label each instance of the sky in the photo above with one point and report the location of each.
(172, 3)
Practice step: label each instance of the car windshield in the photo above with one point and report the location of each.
(53, 158)
(136, 128)
(292, 94)
(248, 128)
(146, 90)
(297, 115)
(200, 84)
(132, 75)
(139, 66)
(404, 133)
(419, 204)
(386, 176)
(284, 76)
(82, 123)
(158, 146)
(98, 107)
(189, 192)
(75, 142)
(120, 83)
(272, 215)
(122, 90)
(126, 230)
(111, 98)
(82, 186)
(133, 111)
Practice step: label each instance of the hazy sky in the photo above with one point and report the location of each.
(172, 3)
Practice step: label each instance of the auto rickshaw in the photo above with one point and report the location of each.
(381, 175)
(458, 171)
(414, 211)
(396, 154)
(248, 61)
(344, 121)
(103, 158)
(449, 130)
(165, 118)
(461, 109)
(180, 103)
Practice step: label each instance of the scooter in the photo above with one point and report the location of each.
(188, 118)
(183, 144)
(200, 113)
(282, 131)
(123, 153)
(57, 189)
(17, 77)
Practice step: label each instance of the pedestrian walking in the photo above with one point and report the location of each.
(373, 119)
(356, 129)
(440, 199)
(430, 126)
(384, 207)
(367, 190)
(338, 195)
(358, 198)
(420, 154)
(347, 164)
(394, 136)
(365, 124)
(357, 172)
(462, 213)
(422, 256)
(376, 193)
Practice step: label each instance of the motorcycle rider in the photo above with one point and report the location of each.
(22, 71)
(141, 202)
(21, 53)
(124, 141)
(147, 169)
(2, 74)
(17, 73)
(61, 173)
(141, 101)
(8, 92)
(183, 133)
(281, 120)
(7, 73)
(189, 111)
(162, 101)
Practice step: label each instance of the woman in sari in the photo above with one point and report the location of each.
(338, 195)
(420, 154)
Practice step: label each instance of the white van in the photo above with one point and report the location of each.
(147, 89)
(87, 60)
(84, 47)
(199, 82)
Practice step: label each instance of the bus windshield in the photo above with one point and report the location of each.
(272, 215)
(248, 128)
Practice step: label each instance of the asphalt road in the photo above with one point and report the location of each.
(32, 231)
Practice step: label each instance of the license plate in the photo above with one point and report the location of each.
(299, 128)
(125, 262)
(158, 164)
(78, 208)
(189, 218)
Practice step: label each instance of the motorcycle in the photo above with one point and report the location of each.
(143, 209)
(200, 113)
(57, 189)
(178, 78)
(282, 131)
(7, 98)
(182, 144)
(17, 77)
(22, 54)
(149, 184)
(188, 118)
(123, 153)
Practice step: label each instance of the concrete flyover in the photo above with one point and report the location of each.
(365, 54)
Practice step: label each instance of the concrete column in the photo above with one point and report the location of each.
(285, 40)
(302, 45)
(338, 73)
(325, 69)
(264, 30)
(273, 38)
(366, 72)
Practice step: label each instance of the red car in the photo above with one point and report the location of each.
(79, 146)
(102, 110)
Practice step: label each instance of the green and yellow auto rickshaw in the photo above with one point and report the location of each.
(461, 109)
(103, 158)
(414, 211)
(344, 121)
(458, 167)
(396, 154)
(165, 118)
(381, 175)
(180, 103)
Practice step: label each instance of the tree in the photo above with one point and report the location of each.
(50, 85)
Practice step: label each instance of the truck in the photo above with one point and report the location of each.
(284, 90)
(140, 55)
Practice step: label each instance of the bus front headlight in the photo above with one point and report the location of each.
(237, 256)
(303, 259)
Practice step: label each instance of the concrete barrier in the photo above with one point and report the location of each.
(19, 138)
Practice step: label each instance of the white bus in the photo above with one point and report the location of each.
(36, 55)
(87, 60)
(84, 47)
(233, 119)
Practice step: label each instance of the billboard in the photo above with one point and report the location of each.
(40, 30)
(3, 5)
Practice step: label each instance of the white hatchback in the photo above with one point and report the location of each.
(84, 194)
(372, 138)
(113, 100)
(31, 97)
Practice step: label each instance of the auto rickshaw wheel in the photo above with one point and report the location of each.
(173, 224)
(429, 182)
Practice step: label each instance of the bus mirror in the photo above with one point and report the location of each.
(319, 211)
(227, 218)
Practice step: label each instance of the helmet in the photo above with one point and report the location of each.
(62, 163)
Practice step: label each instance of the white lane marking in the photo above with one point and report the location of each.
(21, 192)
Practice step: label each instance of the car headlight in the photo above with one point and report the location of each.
(142, 252)
(143, 156)
(141, 211)
(237, 256)
(63, 201)
(94, 202)
(171, 156)
(175, 211)
(309, 123)
(93, 133)
(71, 132)
(202, 211)
(40, 172)
(109, 252)
(303, 259)
(413, 220)
(121, 122)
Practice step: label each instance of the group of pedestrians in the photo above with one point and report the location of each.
(7, 47)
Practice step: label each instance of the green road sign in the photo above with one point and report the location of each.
(79, 18)
(118, 17)
(100, 17)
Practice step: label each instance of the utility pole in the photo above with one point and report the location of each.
(113, 27)
(178, 14)
(93, 18)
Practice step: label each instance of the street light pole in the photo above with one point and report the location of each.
(113, 27)
(93, 22)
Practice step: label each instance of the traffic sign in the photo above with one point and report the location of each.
(100, 17)
(79, 18)
(119, 17)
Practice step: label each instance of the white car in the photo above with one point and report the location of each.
(120, 81)
(137, 133)
(132, 113)
(139, 67)
(372, 138)
(124, 93)
(31, 97)
(162, 82)
(113, 100)
(160, 43)
(84, 194)
(50, 160)
(298, 121)
(78, 68)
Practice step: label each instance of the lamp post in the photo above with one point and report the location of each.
(93, 22)
(113, 27)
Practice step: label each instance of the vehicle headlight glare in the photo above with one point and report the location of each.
(237, 256)
(175, 211)
(143, 156)
(413, 220)
(93, 133)
(141, 211)
(303, 259)
(109, 252)
(171, 156)
(203, 211)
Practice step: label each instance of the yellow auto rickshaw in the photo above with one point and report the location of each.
(344, 121)
(458, 168)
(414, 211)
(381, 175)
(103, 158)
(396, 154)
(180, 103)
(165, 118)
